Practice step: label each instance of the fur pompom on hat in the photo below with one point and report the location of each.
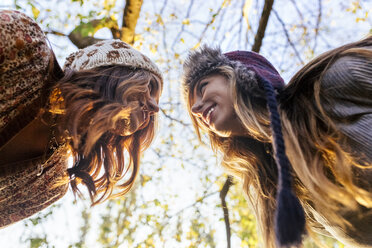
(110, 52)
(250, 67)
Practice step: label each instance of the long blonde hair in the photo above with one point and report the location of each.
(326, 169)
(250, 159)
(96, 105)
(322, 169)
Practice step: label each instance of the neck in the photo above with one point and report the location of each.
(31, 142)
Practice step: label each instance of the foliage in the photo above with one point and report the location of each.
(176, 201)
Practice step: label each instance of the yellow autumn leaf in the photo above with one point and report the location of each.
(196, 46)
(173, 16)
(186, 21)
(108, 4)
(182, 40)
(159, 19)
(153, 48)
(145, 179)
(137, 37)
(35, 12)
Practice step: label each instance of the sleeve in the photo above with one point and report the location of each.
(347, 98)
(24, 63)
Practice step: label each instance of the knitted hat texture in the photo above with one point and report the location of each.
(110, 52)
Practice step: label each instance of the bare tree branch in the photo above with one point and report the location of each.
(298, 10)
(262, 25)
(223, 193)
(55, 33)
(211, 21)
(318, 20)
(80, 41)
(288, 38)
(176, 40)
(163, 7)
(173, 119)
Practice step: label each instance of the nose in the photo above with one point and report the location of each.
(196, 109)
(152, 105)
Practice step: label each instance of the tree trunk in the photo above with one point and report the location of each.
(131, 14)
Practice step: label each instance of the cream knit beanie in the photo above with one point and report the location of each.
(110, 52)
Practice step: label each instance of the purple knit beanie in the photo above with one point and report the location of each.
(289, 215)
(257, 63)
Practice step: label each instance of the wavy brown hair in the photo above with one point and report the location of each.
(93, 109)
(322, 169)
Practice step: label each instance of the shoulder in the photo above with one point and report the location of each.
(24, 62)
(349, 76)
(350, 68)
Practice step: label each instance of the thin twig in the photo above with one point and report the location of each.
(223, 193)
(176, 40)
(173, 119)
(287, 35)
(211, 21)
(317, 24)
(55, 33)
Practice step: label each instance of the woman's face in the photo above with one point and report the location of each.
(146, 107)
(212, 104)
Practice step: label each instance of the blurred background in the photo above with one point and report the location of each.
(182, 193)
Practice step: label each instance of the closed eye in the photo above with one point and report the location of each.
(202, 87)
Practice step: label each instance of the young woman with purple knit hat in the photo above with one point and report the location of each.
(103, 103)
(303, 151)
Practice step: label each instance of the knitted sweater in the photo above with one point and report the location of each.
(24, 58)
(348, 83)
(348, 88)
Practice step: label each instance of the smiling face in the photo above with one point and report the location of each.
(212, 104)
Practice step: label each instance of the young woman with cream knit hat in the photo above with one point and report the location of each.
(103, 103)
(303, 151)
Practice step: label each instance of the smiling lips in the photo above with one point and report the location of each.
(207, 114)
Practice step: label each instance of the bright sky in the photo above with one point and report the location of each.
(62, 226)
